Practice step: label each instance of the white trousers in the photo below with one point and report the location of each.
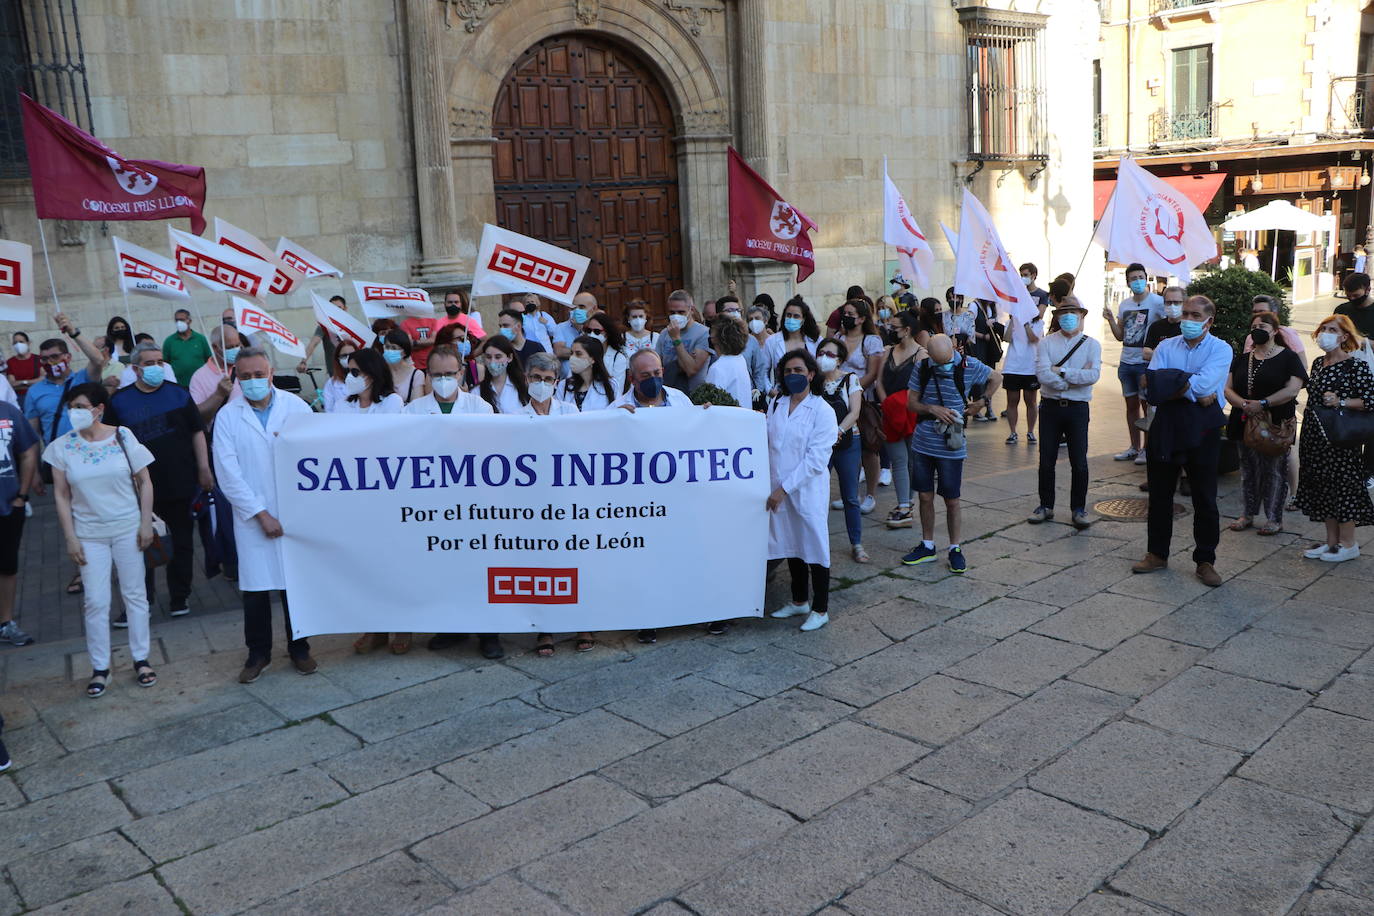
(123, 554)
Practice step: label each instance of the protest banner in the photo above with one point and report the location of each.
(1151, 221)
(763, 225)
(508, 262)
(340, 325)
(387, 300)
(915, 258)
(984, 270)
(147, 273)
(285, 277)
(16, 282)
(509, 524)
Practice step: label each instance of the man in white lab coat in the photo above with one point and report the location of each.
(246, 431)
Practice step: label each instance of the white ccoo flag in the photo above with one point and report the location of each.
(147, 273)
(253, 319)
(387, 300)
(340, 325)
(914, 256)
(984, 270)
(219, 267)
(1151, 222)
(509, 262)
(16, 282)
(285, 277)
(305, 263)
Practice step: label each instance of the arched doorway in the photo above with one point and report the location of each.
(584, 160)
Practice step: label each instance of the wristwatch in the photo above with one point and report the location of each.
(74, 333)
(1264, 402)
(1342, 402)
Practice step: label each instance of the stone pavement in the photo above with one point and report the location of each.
(1047, 734)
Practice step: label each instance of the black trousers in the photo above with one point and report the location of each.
(1069, 421)
(257, 626)
(1201, 465)
(820, 583)
(177, 514)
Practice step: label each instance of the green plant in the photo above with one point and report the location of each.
(1232, 290)
(712, 394)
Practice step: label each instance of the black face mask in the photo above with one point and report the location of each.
(529, 308)
(451, 311)
(849, 322)
(1260, 336)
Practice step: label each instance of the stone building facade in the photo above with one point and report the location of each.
(382, 134)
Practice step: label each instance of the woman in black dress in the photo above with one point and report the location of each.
(1264, 381)
(1331, 479)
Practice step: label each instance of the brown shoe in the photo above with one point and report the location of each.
(400, 643)
(305, 664)
(252, 670)
(369, 641)
(1149, 564)
(1208, 574)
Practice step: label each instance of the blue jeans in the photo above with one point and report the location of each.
(846, 459)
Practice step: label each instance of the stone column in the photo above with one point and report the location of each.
(754, 135)
(430, 125)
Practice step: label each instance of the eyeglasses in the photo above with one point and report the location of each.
(542, 378)
(434, 375)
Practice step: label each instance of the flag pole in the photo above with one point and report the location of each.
(43, 238)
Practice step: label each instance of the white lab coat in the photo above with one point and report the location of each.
(799, 446)
(466, 402)
(246, 473)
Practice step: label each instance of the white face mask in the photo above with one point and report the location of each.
(579, 364)
(637, 324)
(679, 321)
(354, 384)
(1328, 340)
(756, 326)
(541, 391)
(182, 327)
(1172, 310)
(827, 363)
(445, 387)
(20, 348)
(81, 418)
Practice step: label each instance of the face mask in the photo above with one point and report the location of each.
(884, 313)
(794, 383)
(508, 333)
(229, 322)
(355, 384)
(827, 363)
(20, 348)
(1260, 336)
(154, 375)
(343, 358)
(1328, 340)
(649, 388)
(679, 321)
(255, 389)
(1137, 286)
(451, 311)
(1192, 330)
(464, 348)
(81, 418)
(600, 337)
(1174, 311)
(231, 354)
(392, 357)
(579, 364)
(444, 387)
(1029, 281)
(530, 308)
(792, 325)
(56, 371)
(1069, 322)
(756, 326)
(182, 327)
(849, 322)
(637, 324)
(541, 391)
(948, 368)
(497, 369)
(733, 313)
(579, 316)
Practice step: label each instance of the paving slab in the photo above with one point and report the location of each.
(463, 733)
(1003, 617)
(1138, 665)
(1333, 591)
(1030, 854)
(76, 868)
(843, 640)
(1022, 663)
(958, 593)
(1018, 740)
(1244, 848)
(1351, 694)
(1322, 755)
(433, 701)
(819, 860)
(1102, 903)
(608, 683)
(1101, 621)
(1011, 571)
(32, 747)
(506, 894)
(864, 682)
(656, 853)
(1279, 659)
(262, 866)
(1200, 624)
(1353, 870)
(938, 709)
(124, 713)
(51, 822)
(1172, 587)
(394, 885)
(682, 705)
(1334, 903)
(10, 796)
(765, 672)
(528, 830)
(1339, 626)
(702, 754)
(1132, 772)
(222, 817)
(903, 889)
(141, 895)
(1085, 579)
(366, 676)
(528, 765)
(898, 618)
(295, 697)
(1220, 708)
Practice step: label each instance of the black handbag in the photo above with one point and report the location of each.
(1345, 428)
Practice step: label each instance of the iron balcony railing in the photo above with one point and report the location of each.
(1170, 126)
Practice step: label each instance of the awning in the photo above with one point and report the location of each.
(1200, 189)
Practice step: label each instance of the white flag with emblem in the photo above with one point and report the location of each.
(984, 270)
(1151, 222)
(951, 239)
(915, 258)
(508, 262)
(219, 267)
(254, 319)
(387, 300)
(283, 280)
(338, 324)
(16, 282)
(305, 262)
(147, 273)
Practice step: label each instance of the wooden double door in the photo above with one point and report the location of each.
(584, 160)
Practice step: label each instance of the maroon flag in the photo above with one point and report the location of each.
(763, 225)
(75, 176)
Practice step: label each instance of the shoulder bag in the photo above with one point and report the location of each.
(1261, 433)
(156, 553)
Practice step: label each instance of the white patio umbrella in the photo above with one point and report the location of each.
(1277, 214)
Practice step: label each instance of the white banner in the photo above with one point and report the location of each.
(509, 524)
(984, 270)
(914, 256)
(1150, 221)
(219, 267)
(304, 262)
(16, 282)
(147, 273)
(340, 325)
(509, 262)
(386, 300)
(283, 280)
(251, 318)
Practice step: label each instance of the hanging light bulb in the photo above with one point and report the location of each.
(1337, 179)
(1364, 177)
(1257, 183)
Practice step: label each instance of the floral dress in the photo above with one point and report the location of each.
(1331, 479)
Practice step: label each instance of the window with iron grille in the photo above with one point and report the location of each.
(1005, 84)
(40, 54)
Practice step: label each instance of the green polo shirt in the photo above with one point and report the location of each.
(186, 356)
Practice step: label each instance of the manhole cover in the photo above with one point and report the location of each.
(1131, 509)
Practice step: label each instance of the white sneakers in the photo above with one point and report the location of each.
(1126, 455)
(1341, 554)
(837, 504)
(792, 610)
(815, 621)
(885, 478)
(1140, 458)
(1316, 551)
(868, 504)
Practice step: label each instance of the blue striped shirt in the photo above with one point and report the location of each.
(928, 438)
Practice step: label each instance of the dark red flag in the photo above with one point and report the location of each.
(763, 225)
(75, 176)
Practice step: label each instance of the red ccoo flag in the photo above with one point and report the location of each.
(75, 176)
(763, 225)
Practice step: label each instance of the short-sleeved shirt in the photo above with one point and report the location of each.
(857, 361)
(1136, 318)
(530, 348)
(695, 337)
(23, 368)
(1361, 316)
(44, 404)
(103, 501)
(1041, 297)
(940, 389)
(1270, 375)
(16, 436)
(165, 420)
(186, 356)
(1162, 329)
(420, 329)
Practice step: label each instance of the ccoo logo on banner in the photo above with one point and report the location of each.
(508, 262)
(385, 300)
(147, 273)
(219, 267)
(16, 281)
(251, 318)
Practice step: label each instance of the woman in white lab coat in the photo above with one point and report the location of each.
(801, 433)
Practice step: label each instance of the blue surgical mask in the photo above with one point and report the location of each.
(1138, 286)
(1192, 330)
(255, 389)
(464, 348)
(392, 356)
(154, 375)
(579, 316)
(1069, 322)
(508, 333)
(795, 383)
(649, 388)
(791, 325)
(231, 354)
